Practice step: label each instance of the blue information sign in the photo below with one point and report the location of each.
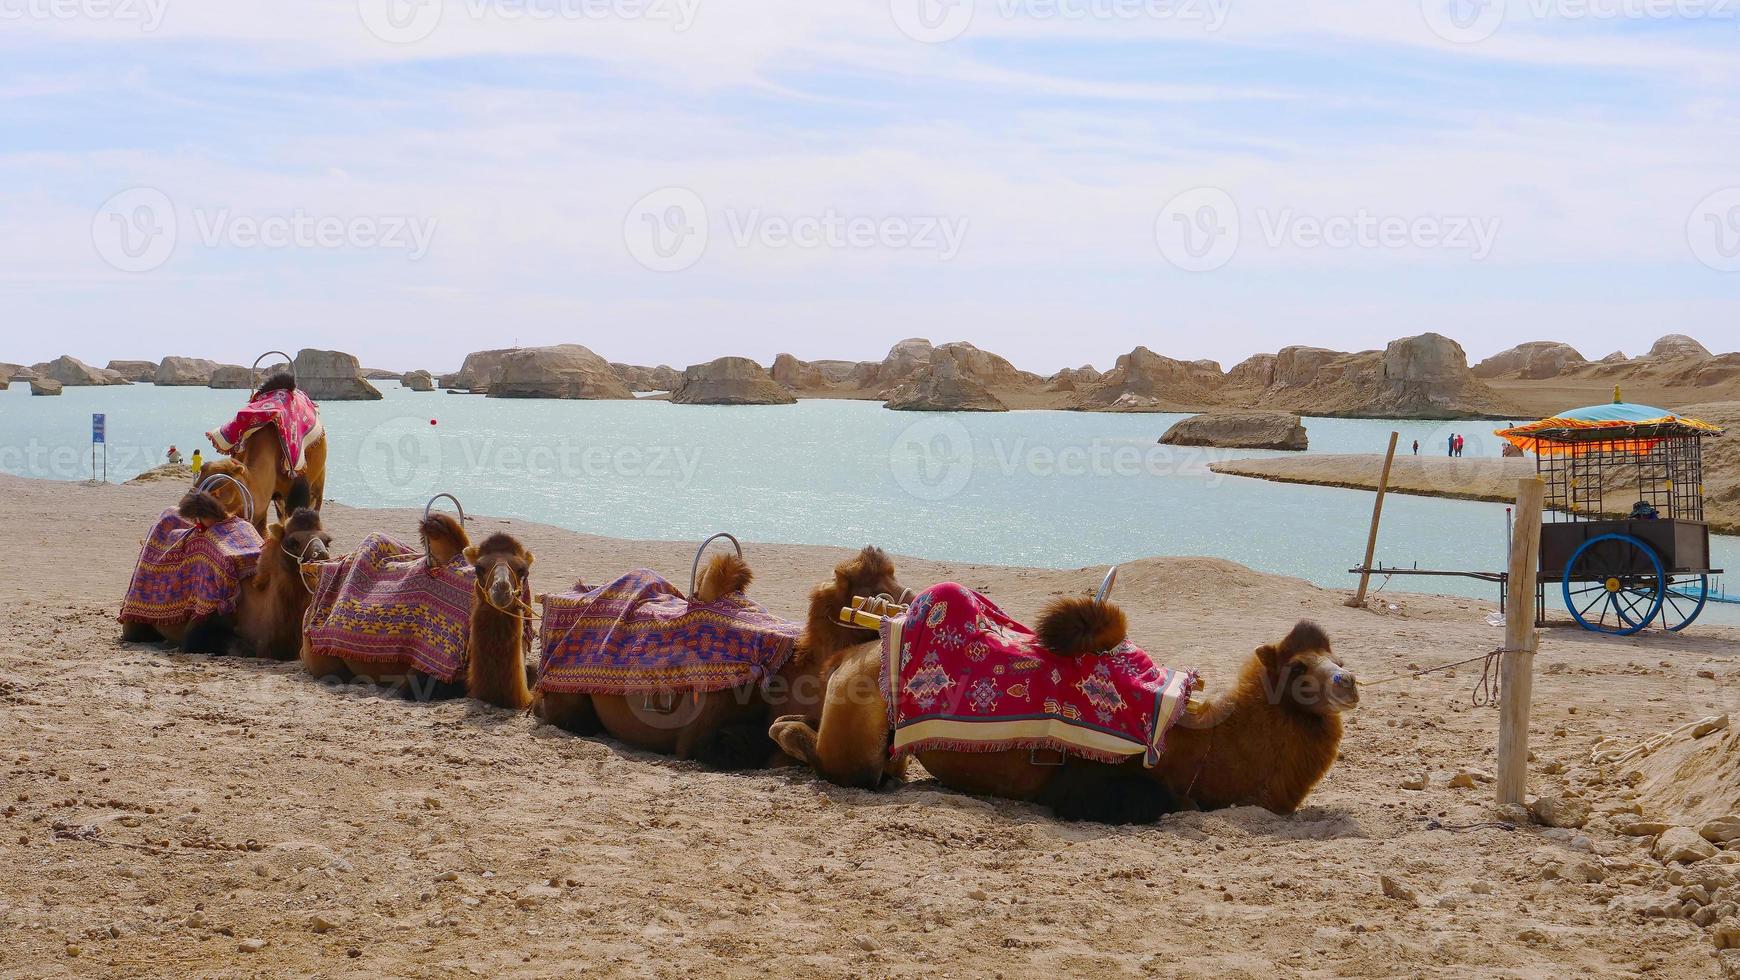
(99, 427)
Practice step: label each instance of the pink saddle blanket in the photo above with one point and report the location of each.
(960, 675)
(384, 605)
(642, 635)
(293, 413)
(186, 572)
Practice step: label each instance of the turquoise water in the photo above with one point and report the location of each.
(1049, 489)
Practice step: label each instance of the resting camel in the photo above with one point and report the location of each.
(261, 456)
(728, 729)
(495, 670)
(1266, 742)
(268, 617)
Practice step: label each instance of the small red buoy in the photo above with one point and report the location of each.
(431, 421)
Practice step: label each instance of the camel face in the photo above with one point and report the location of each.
(502, 568)
(1301, 672)
(1324, 687)
(304, 540)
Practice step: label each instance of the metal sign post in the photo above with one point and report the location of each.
(99, 437)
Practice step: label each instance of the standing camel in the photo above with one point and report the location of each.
(256, 440)
(728, 729)
(1266, 742)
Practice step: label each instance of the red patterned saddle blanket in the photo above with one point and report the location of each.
(960, 675)
(187, 572)
(384, 605)
(294, 414)
(641, 635)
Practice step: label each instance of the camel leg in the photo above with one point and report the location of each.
(420, 687)
(569, 712)
(314, 467)
(140, 633)
(851, 749)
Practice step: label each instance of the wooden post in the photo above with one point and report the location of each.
(1517, 669)
(1377, 513)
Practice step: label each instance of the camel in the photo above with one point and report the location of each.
(261, 455)
(728, 729)
(1265, 742)
(495, 670)
(267, 621)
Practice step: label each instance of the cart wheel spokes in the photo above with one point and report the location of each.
(1615, 583)
(1684, 600)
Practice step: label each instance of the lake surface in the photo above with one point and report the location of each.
(1048, 489)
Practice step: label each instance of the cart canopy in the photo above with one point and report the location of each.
(1617, 426)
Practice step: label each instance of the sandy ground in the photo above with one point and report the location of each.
(168, 815)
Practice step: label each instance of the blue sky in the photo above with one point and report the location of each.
(1546, 169)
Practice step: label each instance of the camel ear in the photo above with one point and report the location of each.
(275, 530)
(1305, 637)
(530, 558)
(471, 554)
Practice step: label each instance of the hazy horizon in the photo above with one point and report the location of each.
(1056, 181)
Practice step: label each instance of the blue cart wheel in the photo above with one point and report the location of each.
(1685, 598)
(1615, 584)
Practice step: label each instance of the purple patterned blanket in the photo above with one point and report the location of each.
(641, 635)
(385, 606)
(186, 572)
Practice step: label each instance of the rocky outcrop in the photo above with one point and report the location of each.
(1425, 377)
(903, 362)
(136, 372)
(730, 381)
(185, 371)
(1256, 371)
(44, 386)
(566, 371)
(231, 377)
(1073, 379)
(74, 373)
(418, 381)
(1240, 430)
(332, 376)
(1617, 357)
(1536, 360)
(13, 372)
(382, 374)
(478, 371)
(1153, 382)
(796, 374)
(944, 387)
(1676, 345)
(661, 378)
(988, 369)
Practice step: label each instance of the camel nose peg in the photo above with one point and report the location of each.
(1342, 679)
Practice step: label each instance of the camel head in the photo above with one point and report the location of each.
(1301, 673)
(300, 539)
(503, 566)
(867, 574)
(444, 538)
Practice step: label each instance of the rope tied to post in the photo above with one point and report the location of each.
(1486, 690)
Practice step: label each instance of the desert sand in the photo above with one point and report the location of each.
(171, 815)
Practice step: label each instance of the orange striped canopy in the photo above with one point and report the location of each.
(1620, 426)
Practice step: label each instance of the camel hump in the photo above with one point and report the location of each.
(1074, 625)
(300, 497)
(281, 381)
(1305, 637)
(201, 507)
(445, 527)
(725, 574)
